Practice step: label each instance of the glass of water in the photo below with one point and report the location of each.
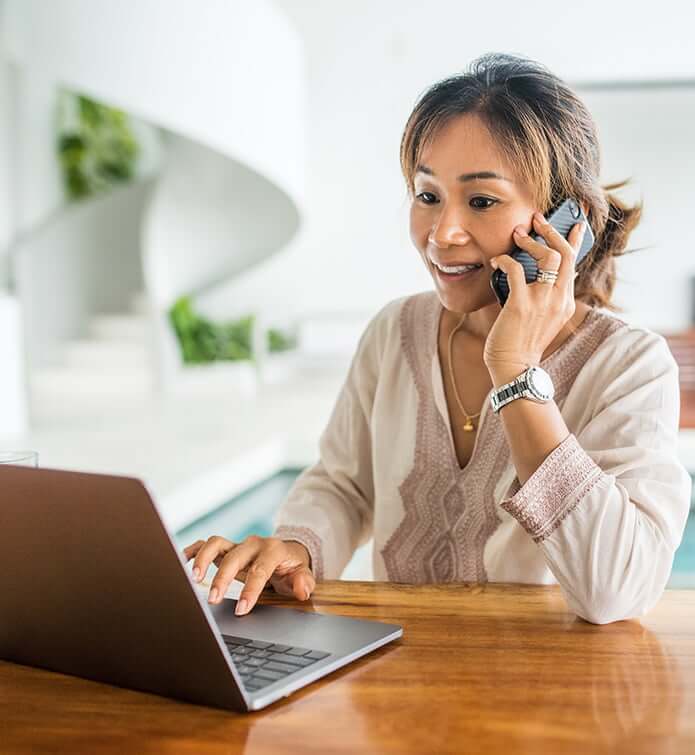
(21, 458)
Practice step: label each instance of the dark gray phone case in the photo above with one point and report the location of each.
(563, 218)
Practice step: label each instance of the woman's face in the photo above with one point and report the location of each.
(456, 217)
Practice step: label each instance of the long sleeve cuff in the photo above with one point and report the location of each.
(310, 540)
(553, 491)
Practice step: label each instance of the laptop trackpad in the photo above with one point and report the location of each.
(292, 626)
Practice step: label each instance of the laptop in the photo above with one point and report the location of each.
(92, 585)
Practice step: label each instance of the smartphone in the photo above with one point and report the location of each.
(563, 218)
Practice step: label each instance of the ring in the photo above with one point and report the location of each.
(546, 276)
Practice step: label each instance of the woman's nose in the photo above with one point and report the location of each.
(448, 230)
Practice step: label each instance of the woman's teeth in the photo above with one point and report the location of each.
(457, 270)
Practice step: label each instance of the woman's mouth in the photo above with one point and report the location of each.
(459, 276)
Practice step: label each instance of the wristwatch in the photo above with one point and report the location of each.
(534, 384)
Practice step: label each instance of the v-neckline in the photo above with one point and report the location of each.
(439, 309)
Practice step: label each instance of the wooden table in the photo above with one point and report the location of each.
(479, 669)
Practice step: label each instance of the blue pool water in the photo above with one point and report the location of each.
(249, 513)
(252, 511)
(683, 574)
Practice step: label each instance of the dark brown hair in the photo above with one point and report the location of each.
(549, 135)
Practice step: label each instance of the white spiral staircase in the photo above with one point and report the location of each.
(224, 80)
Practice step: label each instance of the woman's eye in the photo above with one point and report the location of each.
(422, 194)
(484, 199)
(473, 201)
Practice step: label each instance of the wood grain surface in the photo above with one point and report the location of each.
(480, 669)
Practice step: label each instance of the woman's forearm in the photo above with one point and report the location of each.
(532, 430)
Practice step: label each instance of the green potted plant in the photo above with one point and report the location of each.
(214, 355)
(280, 356)
(96, 146)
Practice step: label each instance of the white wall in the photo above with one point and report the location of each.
(36, 184)
(13, 396)
(367, 64)
(650, 137)
(85, 261)
(6, 204)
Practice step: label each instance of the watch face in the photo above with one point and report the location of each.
(540, 383)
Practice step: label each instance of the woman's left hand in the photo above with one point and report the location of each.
(534, 313)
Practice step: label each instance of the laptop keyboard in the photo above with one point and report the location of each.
(263, 663)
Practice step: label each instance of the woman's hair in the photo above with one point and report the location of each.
(546, 131)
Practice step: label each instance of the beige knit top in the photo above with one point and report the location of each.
(602, 515)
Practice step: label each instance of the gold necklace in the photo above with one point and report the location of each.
(468, 426)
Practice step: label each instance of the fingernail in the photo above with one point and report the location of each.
(306, 595)
(213, 595)
(539, 216)
(520, 231)
(241, 606)
(196, 574)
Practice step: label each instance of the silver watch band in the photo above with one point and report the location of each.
(505, 394)
(534, 383)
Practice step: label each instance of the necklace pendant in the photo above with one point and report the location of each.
(469, 425)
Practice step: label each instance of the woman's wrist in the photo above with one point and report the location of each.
(304, 550)
(503, 373)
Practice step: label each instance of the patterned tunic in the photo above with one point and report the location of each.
(602, 515)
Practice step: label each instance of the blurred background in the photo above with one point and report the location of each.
(201, 207)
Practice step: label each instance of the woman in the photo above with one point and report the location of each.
(584, 489)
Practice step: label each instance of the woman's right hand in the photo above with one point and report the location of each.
(255, 561)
